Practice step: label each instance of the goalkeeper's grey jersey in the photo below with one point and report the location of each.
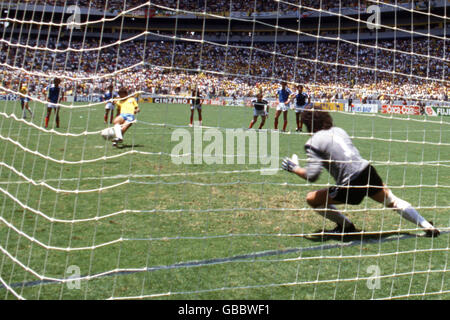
(333, 150)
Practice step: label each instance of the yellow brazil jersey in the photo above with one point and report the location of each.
(24, 90)
(127, 106)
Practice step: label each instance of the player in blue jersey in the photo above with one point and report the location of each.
(54, 96)
(283, 96)
(109, 97)
(301, 101)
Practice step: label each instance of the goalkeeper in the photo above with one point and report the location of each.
(332, 148)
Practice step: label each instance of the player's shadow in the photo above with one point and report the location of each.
(321, 236)
(129, 146)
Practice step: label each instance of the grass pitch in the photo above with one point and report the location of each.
(199, 231)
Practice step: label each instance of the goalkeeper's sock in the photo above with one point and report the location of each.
(46, 121)
(413, 216)
(405, 209)
(118, 131)
(333, 214)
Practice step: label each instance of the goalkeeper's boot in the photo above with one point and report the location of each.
(432, 233)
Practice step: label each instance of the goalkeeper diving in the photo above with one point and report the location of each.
(331, 148)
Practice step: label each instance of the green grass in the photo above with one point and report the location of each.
(167, 214)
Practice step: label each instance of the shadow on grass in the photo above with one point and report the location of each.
(129, 146)
(358, 236)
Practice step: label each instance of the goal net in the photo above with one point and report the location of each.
(180, 200)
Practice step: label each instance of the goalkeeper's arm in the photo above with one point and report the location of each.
(312, 170)
(291, 166)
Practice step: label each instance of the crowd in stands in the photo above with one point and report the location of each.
(417, 69)
(248, 6)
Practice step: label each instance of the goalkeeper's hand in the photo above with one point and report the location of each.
(288, 165)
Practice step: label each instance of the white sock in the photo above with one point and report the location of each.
(413, 216)
(118, 131)
(405, 209)
(334, 215)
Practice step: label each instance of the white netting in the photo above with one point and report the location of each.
(80, 219)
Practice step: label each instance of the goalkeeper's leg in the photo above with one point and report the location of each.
(404, 208)
(324, 206)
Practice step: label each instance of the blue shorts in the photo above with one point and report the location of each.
(24, 100)
(128, 117)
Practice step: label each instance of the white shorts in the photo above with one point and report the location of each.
(198, 107)
(257, 113)
(52, 106)
(109, 106)
(282, 106)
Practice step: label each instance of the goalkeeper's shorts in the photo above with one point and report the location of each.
(367, 183)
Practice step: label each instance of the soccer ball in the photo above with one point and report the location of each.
(108, 134)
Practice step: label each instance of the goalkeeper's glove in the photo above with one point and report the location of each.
(288, 165)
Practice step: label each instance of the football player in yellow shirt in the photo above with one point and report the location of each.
(24, 100)
(128, 107)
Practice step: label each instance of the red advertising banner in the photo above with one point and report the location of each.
(413, 110)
